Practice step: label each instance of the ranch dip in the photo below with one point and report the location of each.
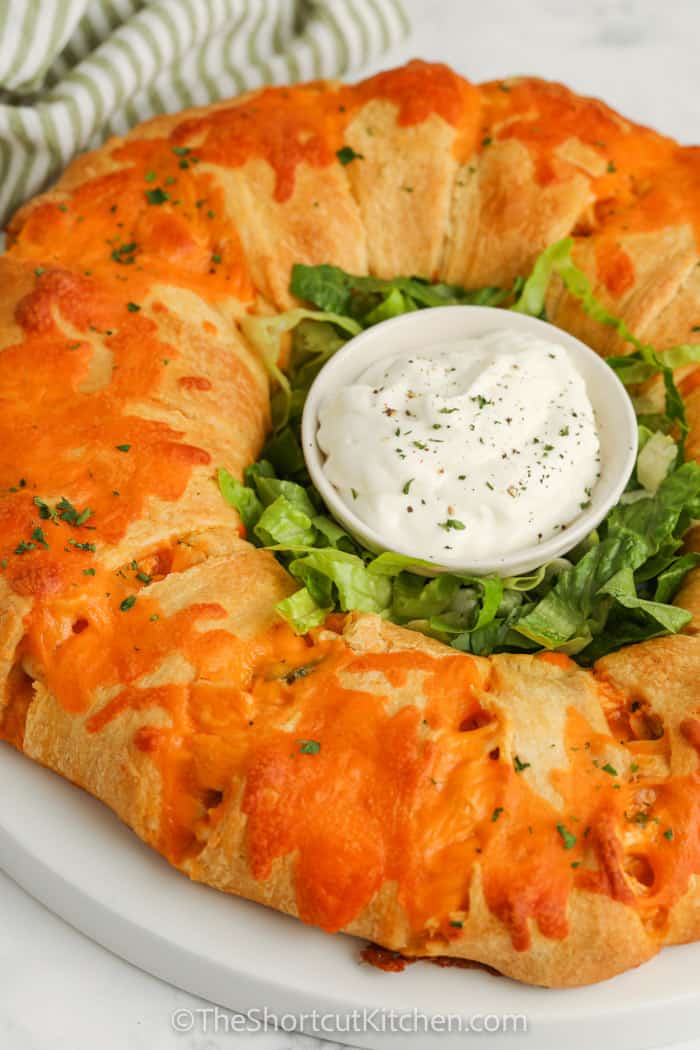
(471, 449)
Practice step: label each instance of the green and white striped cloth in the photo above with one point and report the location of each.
(73, 72)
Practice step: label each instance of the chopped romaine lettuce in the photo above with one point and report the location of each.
(241, 497)
(637, 367)
(301, 611)
(655, 459)
(265, 334)
(369, 299)
(615, 588)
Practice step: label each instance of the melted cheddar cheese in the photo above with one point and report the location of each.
(367, 769)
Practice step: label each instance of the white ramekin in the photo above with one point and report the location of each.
(410, 333)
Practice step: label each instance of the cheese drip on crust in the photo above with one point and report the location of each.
(518, 811)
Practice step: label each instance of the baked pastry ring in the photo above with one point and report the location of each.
(141, 656)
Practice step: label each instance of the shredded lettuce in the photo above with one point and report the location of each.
(241, 497)
(301, 611)
(265, 334)
(642, 364)
(615, 588)
(370, 299)
(345, 576)
(581, 603)
(656, 457)
(618, 585)
(557, 259)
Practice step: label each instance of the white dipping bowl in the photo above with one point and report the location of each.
(417, 331)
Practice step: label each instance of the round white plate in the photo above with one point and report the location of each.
(73, 855)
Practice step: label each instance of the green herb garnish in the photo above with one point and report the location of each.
(124, 254)
(452, 523)
(347, 154)
(38, 535)
(567, 838)
(309, 747)
(157, 196)
(70, 514)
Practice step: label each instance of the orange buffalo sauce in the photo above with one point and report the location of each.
(305, 124)
(615, 268)
(161, 216)
(146, 223)
(284, 127)
(418, 90)
(648, 181)
(86, 447)
(150, 215)
(358, 787)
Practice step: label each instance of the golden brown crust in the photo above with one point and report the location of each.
(516, 811)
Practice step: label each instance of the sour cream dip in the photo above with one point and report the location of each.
(474, 440)
(468, 448)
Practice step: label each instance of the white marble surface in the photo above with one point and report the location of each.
(58, 990)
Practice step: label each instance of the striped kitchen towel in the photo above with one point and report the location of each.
(73, 72)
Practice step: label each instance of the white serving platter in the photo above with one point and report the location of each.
(72, 854)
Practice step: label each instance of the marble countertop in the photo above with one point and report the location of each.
(58, 990)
